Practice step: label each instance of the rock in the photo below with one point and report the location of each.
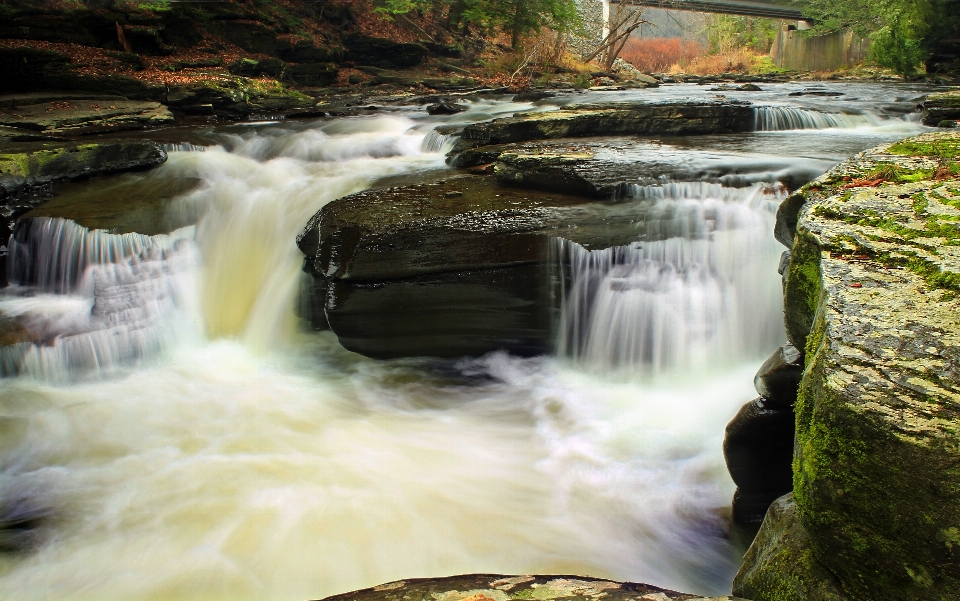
(39, 163)
(780, 565)
(271, 67)
(611, 167)
(451, 268)
(872, 292)
(687, 118)
(496, 587)
(88, 114)
(366, 50)
(318, 75)
(533, 96)
(758, 449)
(941, 106)
(235, 98)
(28, 69)
(787, 214)
(778, 379)
(444, 108)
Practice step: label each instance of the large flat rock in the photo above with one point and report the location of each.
(450, 268)
(872, 291)
(497, 587)
(72, 114)
(627, 118)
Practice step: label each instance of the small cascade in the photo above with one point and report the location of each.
(182, 147)
(92, 300)
(435, 141)
(783, 118)
(687, 296)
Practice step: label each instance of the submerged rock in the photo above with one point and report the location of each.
(497, 587)
(781, 564)
(872, 294)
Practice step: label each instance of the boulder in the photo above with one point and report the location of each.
(451, 268)
(778, 379)
(941, 106)
(758, 449)
(872, 293)
(780, 565)
(497, 587)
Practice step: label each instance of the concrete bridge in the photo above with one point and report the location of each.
(748, 8)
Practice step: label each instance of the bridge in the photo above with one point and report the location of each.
(729, 7)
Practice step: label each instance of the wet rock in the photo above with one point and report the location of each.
(451, 268)
(688, 118)
(66, 114)
(533, 96)
(787, 214)
(496, 587)
(941, 106)
(33, 164)
(444, 108)
(780, 565)
(758, 448)
(556, 171)
(778, 378)
(872, 293)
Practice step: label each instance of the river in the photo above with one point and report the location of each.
(181, 435)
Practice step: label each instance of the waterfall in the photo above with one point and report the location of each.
(687, 295)
(435, 141)
(780, 118)
(182, 147)
(114, 296)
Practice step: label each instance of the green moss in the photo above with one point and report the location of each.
(944, 148)
(802, 289)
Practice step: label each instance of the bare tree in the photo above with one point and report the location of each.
(625, 18)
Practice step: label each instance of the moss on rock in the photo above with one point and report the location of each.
(872, 292)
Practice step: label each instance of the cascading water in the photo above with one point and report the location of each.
(175, 436)
(691, 295)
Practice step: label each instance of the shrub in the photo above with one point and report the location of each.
(655, 55)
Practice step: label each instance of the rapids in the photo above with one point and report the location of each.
(180, 435)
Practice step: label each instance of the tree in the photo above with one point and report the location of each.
(517, 18)
(902, 32)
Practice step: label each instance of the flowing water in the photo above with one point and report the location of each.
(179, 435)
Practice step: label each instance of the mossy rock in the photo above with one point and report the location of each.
(941, 106)
(872, 291)
(780, 565)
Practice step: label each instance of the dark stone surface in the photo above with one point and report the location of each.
(450, 268)
(758, 448)
(778, 379)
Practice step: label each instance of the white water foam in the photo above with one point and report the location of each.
(783, 118)
(253, 462)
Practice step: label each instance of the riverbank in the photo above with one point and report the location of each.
(871, 300)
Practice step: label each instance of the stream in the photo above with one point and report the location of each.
(180, 434)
